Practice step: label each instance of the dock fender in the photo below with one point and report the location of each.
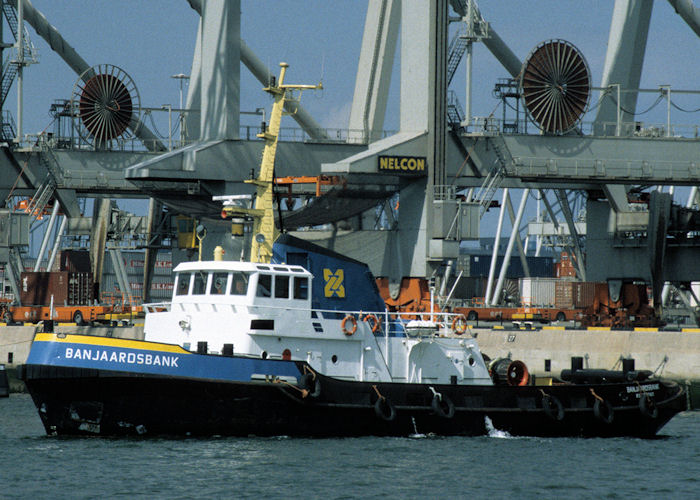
(310, 383)
(384, 409)
(647, 406)
(442, 406)
(552, 407)
(603, 411)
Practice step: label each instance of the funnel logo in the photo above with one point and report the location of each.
(334, 283)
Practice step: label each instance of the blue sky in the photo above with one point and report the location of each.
(321, 40)
(152, 40)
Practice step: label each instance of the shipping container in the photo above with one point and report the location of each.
(74, 261)
(66, 288)
(584, 294)
(479, 265)
(161, 287)
(134, 263)
(538, 291)
(564, 294)
(468, 287)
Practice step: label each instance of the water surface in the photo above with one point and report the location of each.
(34, 465)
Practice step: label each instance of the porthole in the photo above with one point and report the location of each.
(263, 355)
(334, 359)
(471, 361)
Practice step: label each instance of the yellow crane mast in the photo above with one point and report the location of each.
(264, 230)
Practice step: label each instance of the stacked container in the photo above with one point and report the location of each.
(66, 288)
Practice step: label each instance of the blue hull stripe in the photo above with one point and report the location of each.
(155, 362)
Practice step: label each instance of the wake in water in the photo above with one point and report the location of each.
(493, 432)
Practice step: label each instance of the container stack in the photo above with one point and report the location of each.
(64, 287)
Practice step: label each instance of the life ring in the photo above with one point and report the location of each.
(442, 406)
(373, 322)
(603, 411)
(352, 321)
(552, 407)
(648, 407)
(459, 324)
(384, 409)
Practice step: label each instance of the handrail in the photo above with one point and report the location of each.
(389, 320)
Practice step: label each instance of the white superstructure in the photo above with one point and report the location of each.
(265, 311)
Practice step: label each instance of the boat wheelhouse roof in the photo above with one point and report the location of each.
(226, 265)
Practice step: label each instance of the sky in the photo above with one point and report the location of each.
(321, 40)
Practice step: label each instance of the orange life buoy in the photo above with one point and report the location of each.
(352, 321)
(459, 324)
(373, 322)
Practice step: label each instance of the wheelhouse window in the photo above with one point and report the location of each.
(218, 284)
(200, 283)
(183, 284)
(281, 287)
(301, 288)
(264, 285)
(239, 283)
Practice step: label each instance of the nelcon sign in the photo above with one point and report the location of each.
(402, 165)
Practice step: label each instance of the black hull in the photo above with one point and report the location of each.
(84, 401)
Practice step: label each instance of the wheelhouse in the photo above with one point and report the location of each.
(241, 282)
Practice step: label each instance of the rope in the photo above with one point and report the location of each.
(307, 369)
(304, 392)
(379, 395)
(596, 396)
(641, 388)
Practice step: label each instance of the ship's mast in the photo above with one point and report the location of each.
(264, 230)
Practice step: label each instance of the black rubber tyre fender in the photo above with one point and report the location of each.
(443, 406)
(78, 318)
(603, 411)
(311, 383)
(472, 316)
(648, 407)
(561, 316)
(384, 409)
(552, 407)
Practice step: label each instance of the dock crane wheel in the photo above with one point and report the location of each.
(78, 318)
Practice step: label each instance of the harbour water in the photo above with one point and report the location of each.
(34, 465)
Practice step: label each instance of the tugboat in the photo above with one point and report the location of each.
(299, 342)
(310, 350)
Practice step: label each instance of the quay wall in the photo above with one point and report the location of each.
(672, 355)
